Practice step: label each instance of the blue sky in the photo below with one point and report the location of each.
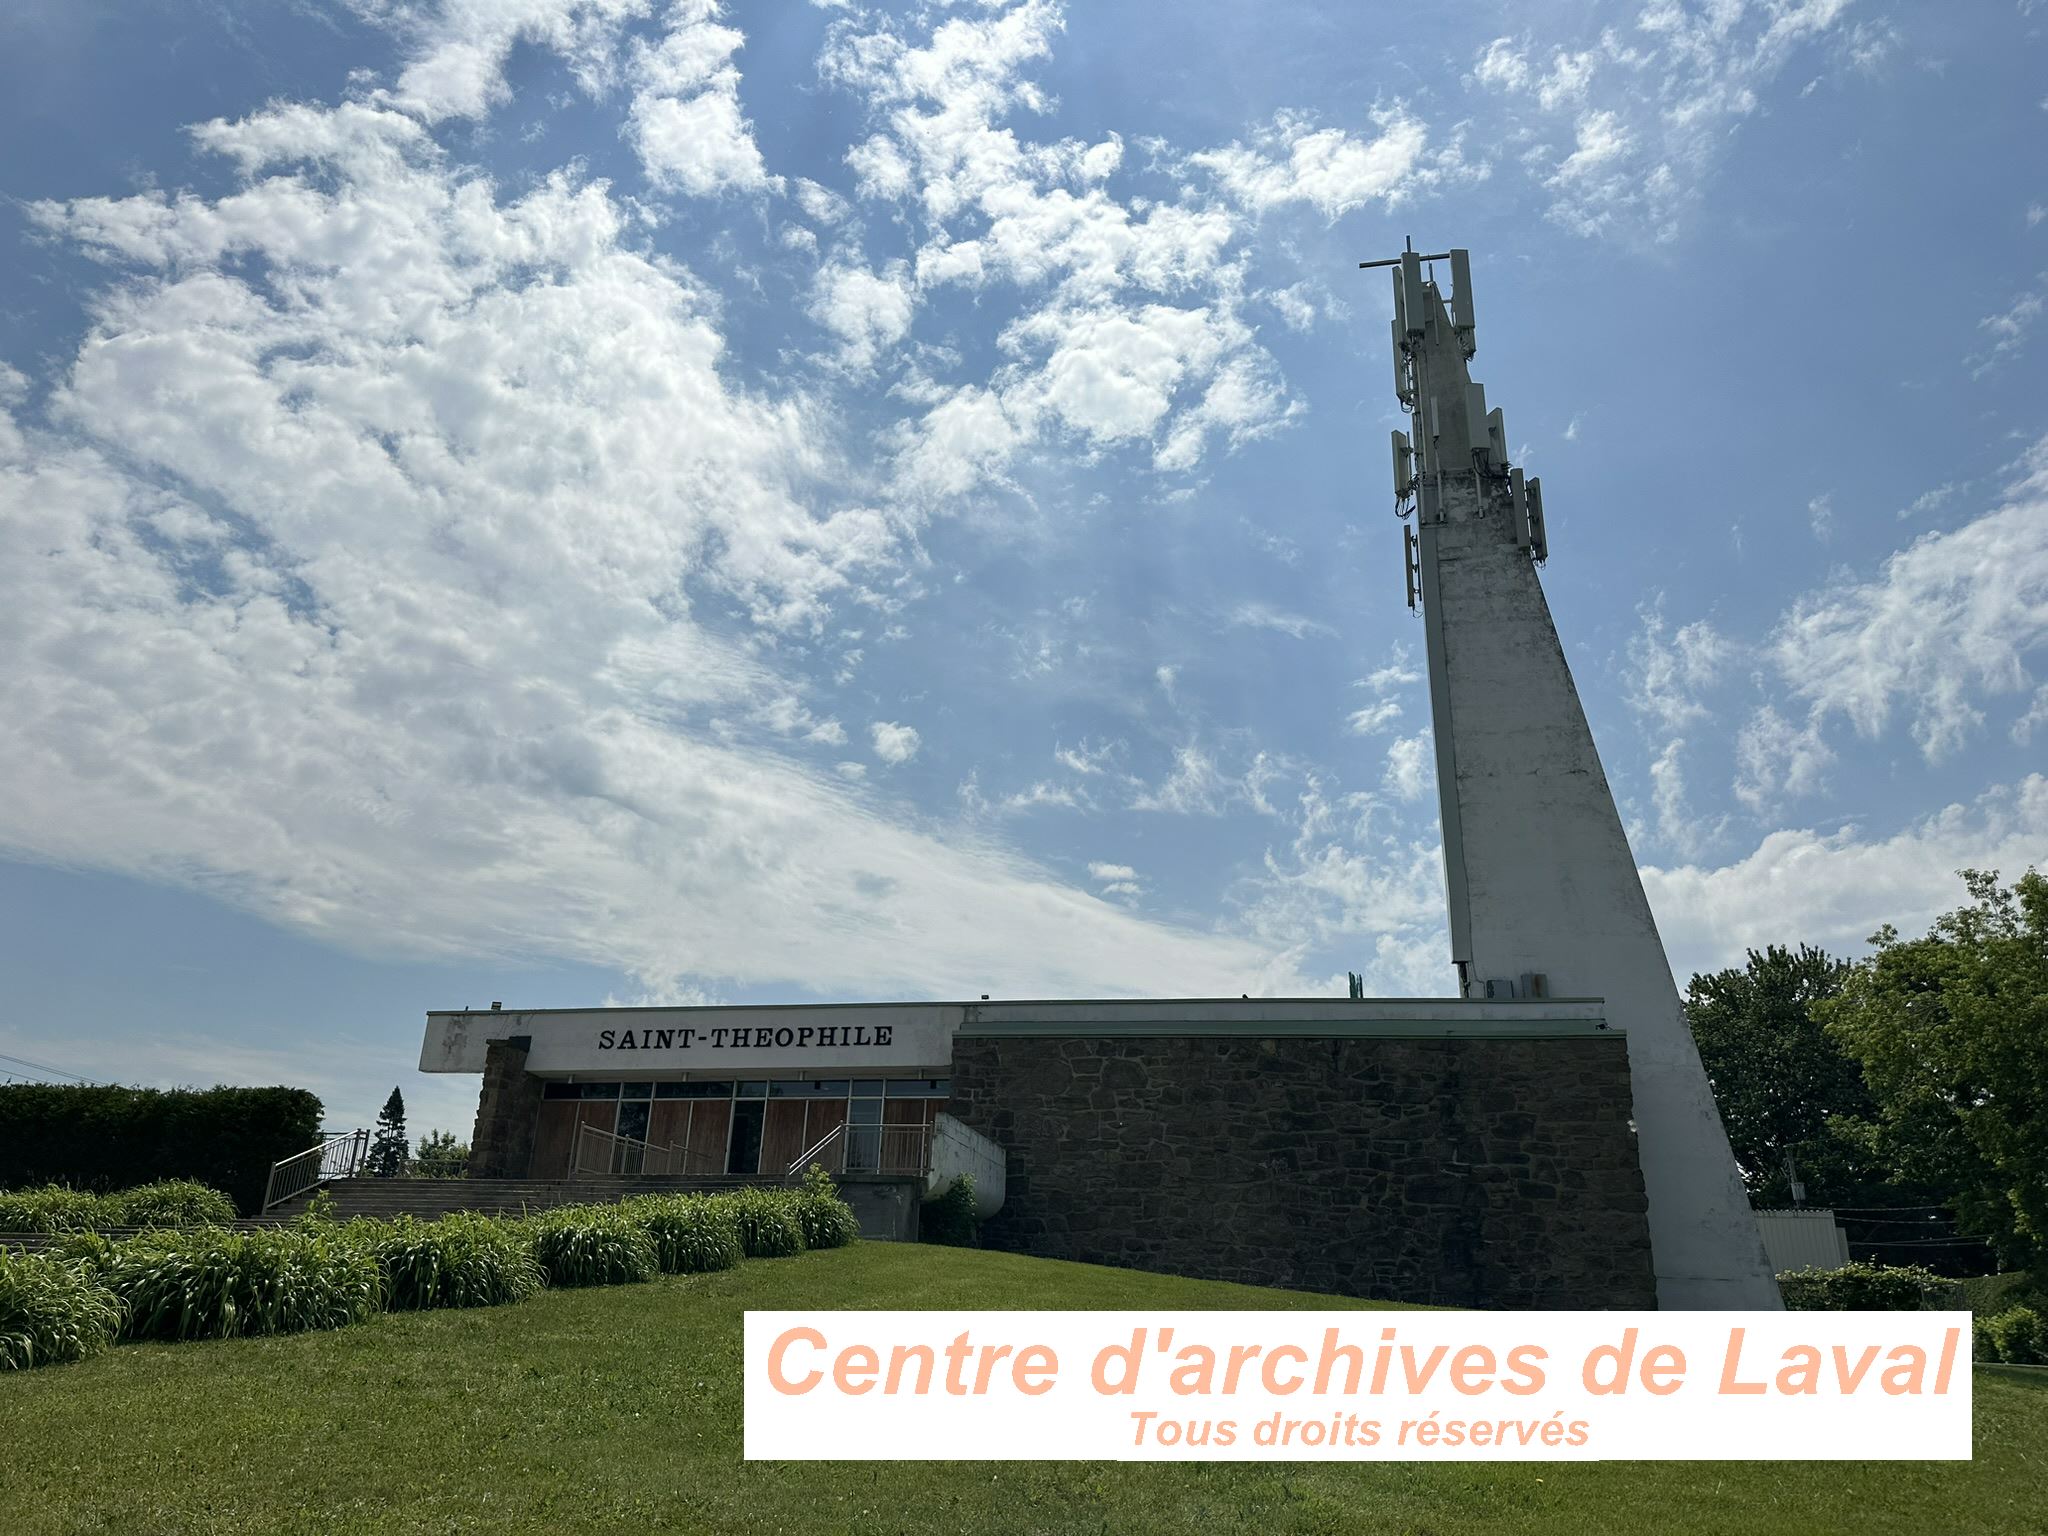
(569, 502)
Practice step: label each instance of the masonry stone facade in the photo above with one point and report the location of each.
(501, 1147)
(1464, 1172)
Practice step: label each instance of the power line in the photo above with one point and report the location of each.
(38, 1066)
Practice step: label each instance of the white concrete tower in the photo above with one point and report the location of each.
(1543, 891)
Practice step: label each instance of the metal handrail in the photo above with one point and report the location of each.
(336, 1157)
(888, 1146)
(669, 1156)
(810, 1154)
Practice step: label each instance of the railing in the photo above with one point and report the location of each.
(817, 1153)
(337, 1157)
(846, 1148)
(606, 1152)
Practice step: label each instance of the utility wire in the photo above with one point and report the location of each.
(23, 1061)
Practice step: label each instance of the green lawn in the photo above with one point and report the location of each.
(618, 1411)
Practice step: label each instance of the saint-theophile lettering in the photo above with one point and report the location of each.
(742, 1037)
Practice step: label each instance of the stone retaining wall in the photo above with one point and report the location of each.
(1464, 1172)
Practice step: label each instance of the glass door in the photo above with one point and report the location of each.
(627, 1154)
(743, 1152)
(864, 1128)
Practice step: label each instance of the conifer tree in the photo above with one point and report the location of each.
(388, 1147)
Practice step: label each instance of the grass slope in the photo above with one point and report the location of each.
(611, 1411)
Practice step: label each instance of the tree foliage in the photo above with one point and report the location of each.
(388, 1146)
(1952, 1034)
(441, 1156)
(1784, 1086)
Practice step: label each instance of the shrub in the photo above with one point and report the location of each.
(953, 1219)
(591, 1245)
(692, 1234)
(1857, 1288)
(53, 1208)
(827, 1221)
(209, 1283)
(92, 1249)
(51, 1311)
(98, 1136)
(1984, 1342)
(2020, 1336)
(462, 1260)
(169, 1203)
(768, 1222)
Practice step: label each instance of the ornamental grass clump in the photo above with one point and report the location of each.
(692, 1234)
(209, 1283)
(591, 1245)
(827, 1221)
(168, 1203)
(462, 1260)
(768, 1221)
(51, 1311)
(51, 1208)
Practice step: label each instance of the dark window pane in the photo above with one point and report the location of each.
(867, 1086)
(917, 1087)
(600, 1090)
(821, 1088)
(562, 1091)
(637, 1090)
(703, 1090)
(750, 1091)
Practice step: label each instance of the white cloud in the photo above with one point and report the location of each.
(1411, 767)
(1820, 515)
(1194, 788)
(1344, 884)
(1836, 889)
(455, 59)
(1097, 871)
(1774, 758)
(1292, 161)
(2009, 329)
(1375, 717)
(1649, 104)
(685, 121)
(1929, 501)
(1397, 673)
(456, 693)
(1261, 616)
(1953, 616)
(894, 744)
(1132, 334)
(1664, 677)
(868, 311)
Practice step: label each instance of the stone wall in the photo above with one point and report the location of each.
(1465, 1172)
(507, 1112)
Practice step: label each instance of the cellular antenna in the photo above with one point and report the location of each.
(1542, 893)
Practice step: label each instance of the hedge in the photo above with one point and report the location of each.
(1857, 1288)
(102, 1138)
(210, 1283)
(2017, 1336)
(52, 1310)
(213, 1282)
(462, 1260)
(953, 1219)
(167, 1203)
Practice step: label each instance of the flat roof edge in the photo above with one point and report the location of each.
(1012, 1003)
(1290, 1029)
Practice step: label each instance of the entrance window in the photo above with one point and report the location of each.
(743, 1152)
(628, 1154)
